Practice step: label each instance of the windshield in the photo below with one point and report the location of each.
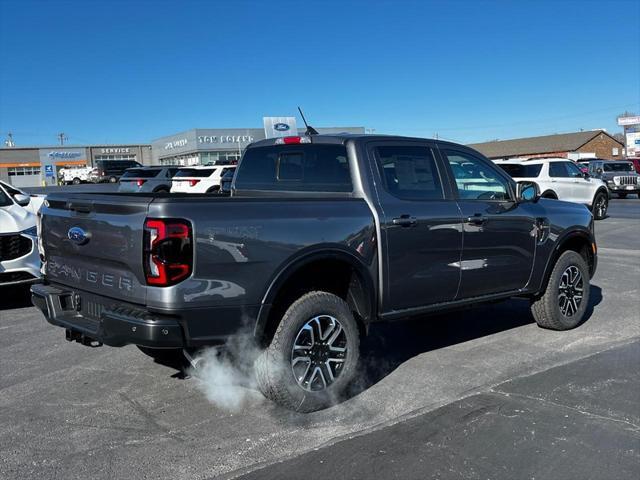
(195, 172)
(618, 167)
(522, 171)
(141, 173)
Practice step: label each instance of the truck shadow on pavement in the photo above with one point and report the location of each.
(15, 297)
(389, 345)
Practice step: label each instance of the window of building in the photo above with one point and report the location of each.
(20, 171)
(410, 172)
(615, 151)
(126, 156)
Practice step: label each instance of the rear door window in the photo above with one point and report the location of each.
(558, 170)
(409, 172)
(311, 168)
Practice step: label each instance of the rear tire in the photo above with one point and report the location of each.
(600, 205)
(215, 189)
(76, 181)
(113, 179)
(563, 303)
(306, 371)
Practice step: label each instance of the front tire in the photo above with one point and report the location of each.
(76, 181)
(313, 356)
(113, 179)
(564, 302)
(600, 205)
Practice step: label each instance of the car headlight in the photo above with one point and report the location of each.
(32, 232)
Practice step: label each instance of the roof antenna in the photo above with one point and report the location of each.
(310, 130)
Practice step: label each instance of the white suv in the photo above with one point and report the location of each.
(561, 179)
(200, 179)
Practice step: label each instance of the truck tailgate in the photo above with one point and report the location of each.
(94, 243)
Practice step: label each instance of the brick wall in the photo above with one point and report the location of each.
(603, 146)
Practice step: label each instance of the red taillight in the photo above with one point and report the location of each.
(168, 252)
(193, 183)
(292, 140)
(140, 182)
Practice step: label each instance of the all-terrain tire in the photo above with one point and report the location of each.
(546, 307)
(273, 368)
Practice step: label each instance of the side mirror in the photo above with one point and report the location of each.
(586, 175)
(22, 200)
(599, 171)
(527, 191)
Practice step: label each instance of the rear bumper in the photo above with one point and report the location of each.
(116, 325)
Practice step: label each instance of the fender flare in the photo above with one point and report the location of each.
(557, 248)
(304, 258)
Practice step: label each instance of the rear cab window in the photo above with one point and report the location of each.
(299, 168)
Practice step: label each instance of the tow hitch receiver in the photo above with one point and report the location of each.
(73, 336)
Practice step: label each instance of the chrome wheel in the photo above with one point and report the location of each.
(570, 291)
(318, 353)
(601, 206)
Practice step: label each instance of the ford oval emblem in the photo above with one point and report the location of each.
(78, 235)
(281, 127)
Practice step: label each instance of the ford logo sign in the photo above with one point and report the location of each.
(281, 127)
(78, 235)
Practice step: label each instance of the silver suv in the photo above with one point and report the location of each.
(147, 179)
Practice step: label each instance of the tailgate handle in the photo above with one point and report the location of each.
(79, 207)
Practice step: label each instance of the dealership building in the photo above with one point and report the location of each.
(31, 166)
(35, 166)
(200, 146)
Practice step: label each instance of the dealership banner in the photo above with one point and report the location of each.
(279, 127)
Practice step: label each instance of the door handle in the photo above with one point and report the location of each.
(405, 221)
(477, 219)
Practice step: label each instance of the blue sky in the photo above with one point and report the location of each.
(132, 71)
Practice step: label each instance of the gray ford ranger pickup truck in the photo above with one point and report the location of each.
(321, 236)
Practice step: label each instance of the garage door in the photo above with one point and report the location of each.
(24, 176)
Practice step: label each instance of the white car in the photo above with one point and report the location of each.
(200, 179)
(561, 179)
(19, 255)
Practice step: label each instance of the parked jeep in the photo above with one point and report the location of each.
(620, 176)
(321, 236)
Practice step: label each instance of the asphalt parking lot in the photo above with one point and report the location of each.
(482, 393)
